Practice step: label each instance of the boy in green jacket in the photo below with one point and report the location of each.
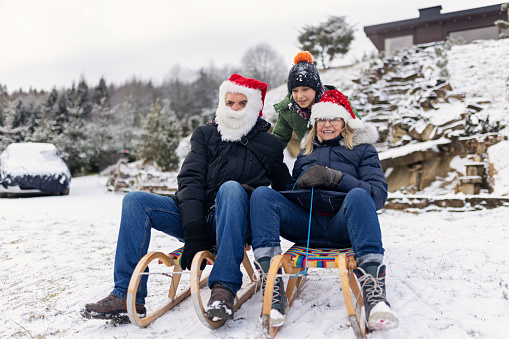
(304, 89)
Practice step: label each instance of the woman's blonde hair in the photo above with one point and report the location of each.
(347, 134)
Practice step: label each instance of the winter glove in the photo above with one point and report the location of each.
(196, 240)
(320, 177)
(248, 189)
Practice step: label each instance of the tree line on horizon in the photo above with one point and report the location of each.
(91, 124)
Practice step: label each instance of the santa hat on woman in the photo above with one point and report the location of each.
(335, 105)
(233, 125)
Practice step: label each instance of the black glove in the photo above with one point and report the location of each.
(248, 189)
(196, 240)
(320, 177)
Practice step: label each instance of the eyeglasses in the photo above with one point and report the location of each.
(322, 121)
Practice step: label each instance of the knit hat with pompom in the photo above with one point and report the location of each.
(304, 73)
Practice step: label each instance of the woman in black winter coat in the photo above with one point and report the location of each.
(340, 171)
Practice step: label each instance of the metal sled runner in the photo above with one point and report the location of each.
(293, 262)
(174, 296)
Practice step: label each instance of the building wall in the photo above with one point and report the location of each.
(482, 33)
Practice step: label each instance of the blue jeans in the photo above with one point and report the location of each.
(142, 211)
(355, 225)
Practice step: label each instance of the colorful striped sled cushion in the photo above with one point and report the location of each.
(178, 254)
(317, 257)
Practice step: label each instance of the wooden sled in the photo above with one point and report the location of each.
(293, 262)
(170, 260)
(196, 282)
(242, 296)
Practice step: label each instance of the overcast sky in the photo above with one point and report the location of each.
(53, 43)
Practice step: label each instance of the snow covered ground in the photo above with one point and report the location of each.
(448, 272)
(448, 275)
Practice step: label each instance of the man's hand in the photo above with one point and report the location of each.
(193, 244)
(320, 177)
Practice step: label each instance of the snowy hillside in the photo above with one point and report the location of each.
(427, 93)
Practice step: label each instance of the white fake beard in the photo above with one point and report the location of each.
(233, 125)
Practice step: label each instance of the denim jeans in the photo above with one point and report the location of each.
(355, 225)
(142, 211)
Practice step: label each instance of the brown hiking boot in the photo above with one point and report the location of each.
(111, 307)
(220, 305)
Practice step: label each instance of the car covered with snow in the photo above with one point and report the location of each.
(33, 168)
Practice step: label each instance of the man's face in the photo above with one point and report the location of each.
(236, 101)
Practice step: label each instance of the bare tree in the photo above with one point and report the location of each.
(263, 63)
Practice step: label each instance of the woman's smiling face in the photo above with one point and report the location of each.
(328, 129)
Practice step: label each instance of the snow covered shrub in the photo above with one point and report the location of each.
(503, 25)
(476, 125)
(450, 41)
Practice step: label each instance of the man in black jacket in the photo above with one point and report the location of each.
(229, 157)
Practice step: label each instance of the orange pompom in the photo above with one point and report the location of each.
(303, 57)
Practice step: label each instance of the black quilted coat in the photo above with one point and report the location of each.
(211, 162)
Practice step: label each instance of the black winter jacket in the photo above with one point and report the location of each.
(212, 161)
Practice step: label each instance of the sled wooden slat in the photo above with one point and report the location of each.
(349, 285)
(293, 261)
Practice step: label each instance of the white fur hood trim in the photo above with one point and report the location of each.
(368, 134)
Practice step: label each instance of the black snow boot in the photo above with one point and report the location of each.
(279, 301)
(379, 316)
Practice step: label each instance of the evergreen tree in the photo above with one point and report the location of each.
(83, 98)
(128, 130)
(61, 111)
(22, 114)
(329, 39)
(44, 132)
(10, 132)
(46, 128)
(101, 99)
(52, 98)
(72, 142)
(160, 138)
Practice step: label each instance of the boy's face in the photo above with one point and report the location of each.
(304, 96)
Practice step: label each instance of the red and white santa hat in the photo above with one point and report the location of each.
(334, 104)
(253, 89)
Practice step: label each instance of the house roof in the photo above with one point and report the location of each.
(431, 14)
